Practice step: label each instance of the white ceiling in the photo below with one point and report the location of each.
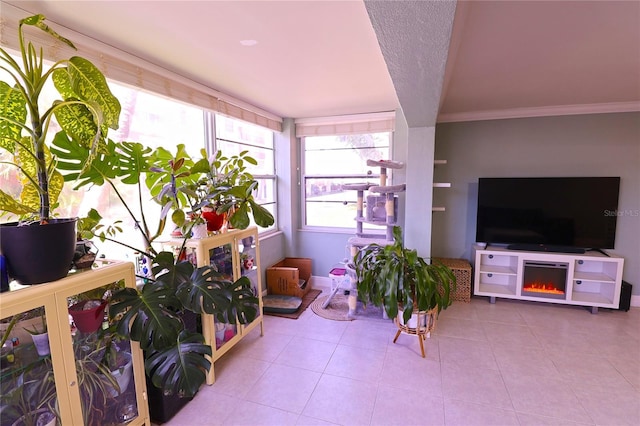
(321, 58)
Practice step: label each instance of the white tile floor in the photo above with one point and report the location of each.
(511, 363)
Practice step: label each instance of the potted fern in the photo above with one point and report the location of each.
(39, 248)
(411, 290)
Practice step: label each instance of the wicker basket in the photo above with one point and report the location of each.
(462, 271)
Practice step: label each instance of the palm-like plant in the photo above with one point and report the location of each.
(393, 276)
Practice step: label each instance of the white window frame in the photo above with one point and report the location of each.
(212, 146)
(372, 175)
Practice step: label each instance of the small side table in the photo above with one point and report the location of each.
(462, 271)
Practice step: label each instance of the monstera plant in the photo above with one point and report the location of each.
(84, 112)
(154, 314)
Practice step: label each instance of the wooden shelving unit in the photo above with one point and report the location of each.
(229, 253)
(66, 346)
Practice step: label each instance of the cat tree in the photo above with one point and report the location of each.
(382, 210)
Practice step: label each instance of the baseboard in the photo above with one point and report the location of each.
(321, 283)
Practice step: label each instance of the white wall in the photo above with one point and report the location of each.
(584, 145)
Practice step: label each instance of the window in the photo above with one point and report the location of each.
(234, 136)
(331, 161)
(155, 121)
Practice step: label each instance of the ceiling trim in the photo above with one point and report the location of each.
(547, 111)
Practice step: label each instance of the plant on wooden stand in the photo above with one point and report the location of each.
(402, 282)
(85, 112)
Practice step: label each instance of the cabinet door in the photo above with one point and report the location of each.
(104, 373)
(27, 379)
(73, 380)
(249, 266)
(221, 258)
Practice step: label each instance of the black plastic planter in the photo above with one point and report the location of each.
(37, 253)
(163, 407)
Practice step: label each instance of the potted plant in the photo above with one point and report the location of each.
(230, 187)
(39, 248)
(208, 190)
(404, 284)
(29, 398)
(154, 314)
(95, 381)
(40, 336)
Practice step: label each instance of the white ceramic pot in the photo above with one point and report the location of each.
(122, 376)
(199, 231)
(41, 342)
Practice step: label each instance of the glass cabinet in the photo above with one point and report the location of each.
(62, 364)
(234, 254)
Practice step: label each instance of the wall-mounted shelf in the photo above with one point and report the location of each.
(440, 185)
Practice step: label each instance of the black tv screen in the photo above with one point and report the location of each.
(578, 212)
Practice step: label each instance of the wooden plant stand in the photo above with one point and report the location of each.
(420, 324)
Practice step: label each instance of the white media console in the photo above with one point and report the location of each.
(591, 279)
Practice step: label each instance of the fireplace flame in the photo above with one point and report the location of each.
(539, 287)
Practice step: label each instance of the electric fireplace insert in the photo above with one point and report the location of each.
(545, 279)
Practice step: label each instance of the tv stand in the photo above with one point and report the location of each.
(546, 248)
(590, 279)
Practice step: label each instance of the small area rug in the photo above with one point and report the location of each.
(339, 308)
(306, 301)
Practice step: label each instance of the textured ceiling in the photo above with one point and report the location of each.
(405, 31)
(318, 58)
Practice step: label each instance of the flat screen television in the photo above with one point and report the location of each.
(565, 214)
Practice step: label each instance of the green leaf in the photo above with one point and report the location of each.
(240, 217)
(73, 159)
(208, 291)
(181, 368)
(9, 204)
(178, 217)
(12, 107)
(38, 21)
(169, 272)
(135, 160)
(90, 85)
(261, 215)
(148, 315)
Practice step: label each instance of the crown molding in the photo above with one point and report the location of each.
(500, 114)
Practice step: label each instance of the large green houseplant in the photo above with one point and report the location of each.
(182, 184)
(154, 314)
(84, 112)
(397, 278)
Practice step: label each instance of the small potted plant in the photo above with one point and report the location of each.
(39, 248)
(230, 187)
(40, 336)
(30, 399)
(404, 284)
